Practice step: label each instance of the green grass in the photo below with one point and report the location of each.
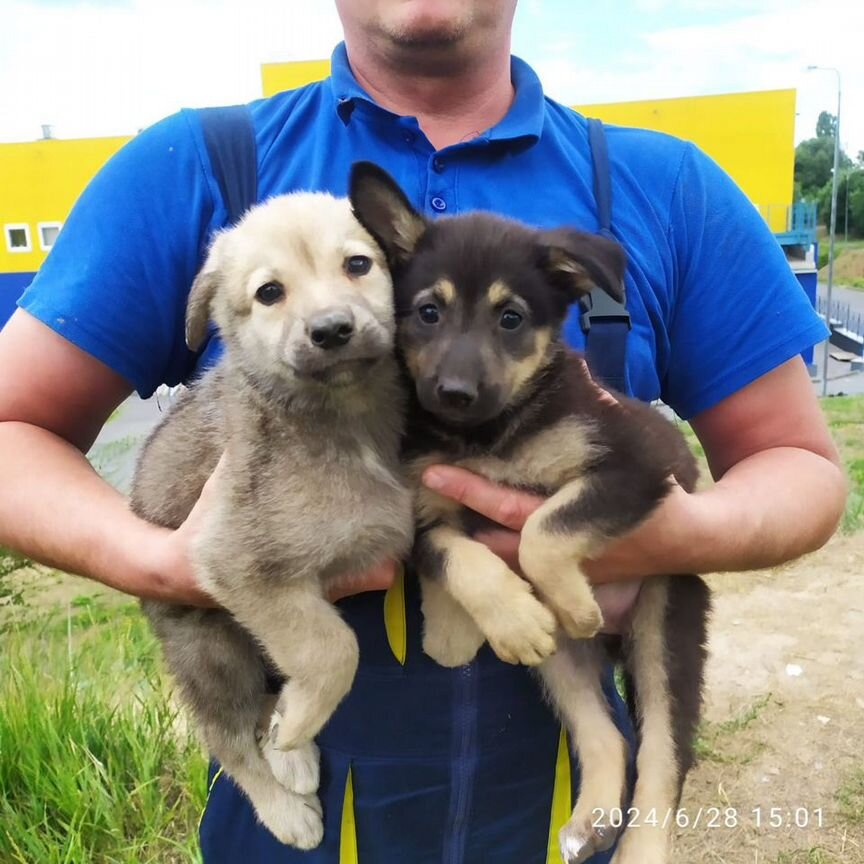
(850, 798)
(95, 765)
(840, 246)
(845, 415)
(713, 738)
(814, 855)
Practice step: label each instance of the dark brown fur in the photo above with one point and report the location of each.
(520, 409)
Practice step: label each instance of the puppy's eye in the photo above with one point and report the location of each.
(270, 293)
(510, 319)
(429, 313)
(358, 265)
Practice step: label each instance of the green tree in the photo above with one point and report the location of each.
(814, 159)
(856, 203)
(825, 125)
(852, 181)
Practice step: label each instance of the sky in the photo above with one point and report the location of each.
(112, 67)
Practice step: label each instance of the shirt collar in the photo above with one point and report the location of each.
(524, 119)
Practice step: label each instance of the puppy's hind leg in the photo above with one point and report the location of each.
(297, 770)
(572, 678)
(221, 676)
(311, 645)
(665, 657)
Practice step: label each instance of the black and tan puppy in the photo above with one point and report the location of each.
(480, 302)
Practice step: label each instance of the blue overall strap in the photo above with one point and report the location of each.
(605, 322)
(230, 140)
(231, 147)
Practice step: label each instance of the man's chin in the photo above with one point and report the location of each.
(424, 25)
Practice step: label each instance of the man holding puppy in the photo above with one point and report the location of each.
(445, 765)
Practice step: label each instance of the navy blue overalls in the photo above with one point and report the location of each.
(421, 764)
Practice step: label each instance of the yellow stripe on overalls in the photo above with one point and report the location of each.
(561, 800)
(394, 617)
(216, 776)
(348, 833)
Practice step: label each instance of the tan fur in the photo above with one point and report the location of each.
(408, 231)
(657, 789)
(429, 506)
(563, 262)
(312, 488)
(451, 636)
(518, 627)
(261, 250)
(551, 563)
(572, 680)
(550, 459)
(444, 290)
(498, 292)
(518, 373)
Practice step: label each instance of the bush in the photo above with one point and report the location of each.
(855, 186)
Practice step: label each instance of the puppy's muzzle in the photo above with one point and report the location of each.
(331, 329)
(456, 394)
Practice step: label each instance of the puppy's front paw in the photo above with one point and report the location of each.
(561, 583)
(452, 643)
(579, 618)
(295, 820)
(522, 630)
(297, 770)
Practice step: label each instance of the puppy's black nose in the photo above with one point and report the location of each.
(331, 329)
(456, 393)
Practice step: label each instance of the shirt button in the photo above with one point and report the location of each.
(439, 204)
(408, 137)
(438, 164)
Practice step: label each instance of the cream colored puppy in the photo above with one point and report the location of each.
(307, 406)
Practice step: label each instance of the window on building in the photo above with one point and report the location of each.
(48, 232)
(18, 238)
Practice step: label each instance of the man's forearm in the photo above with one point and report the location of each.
(56, 509)
(769, 508)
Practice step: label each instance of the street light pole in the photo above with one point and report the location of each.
(833, 228)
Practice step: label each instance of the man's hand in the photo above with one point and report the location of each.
(175, 580)
(616, 574)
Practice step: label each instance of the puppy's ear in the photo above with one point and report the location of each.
(575, 262)
(383, 210)
(201, 295)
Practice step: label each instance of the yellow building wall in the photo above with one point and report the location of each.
(276, 77)
(39, 182)
(751, 135)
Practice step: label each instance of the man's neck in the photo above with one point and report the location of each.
(450, 107)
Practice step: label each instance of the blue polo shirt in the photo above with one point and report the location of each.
(420, 763)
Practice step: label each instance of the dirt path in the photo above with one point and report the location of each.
(785, 712)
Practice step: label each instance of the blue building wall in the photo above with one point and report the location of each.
(12, 286)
